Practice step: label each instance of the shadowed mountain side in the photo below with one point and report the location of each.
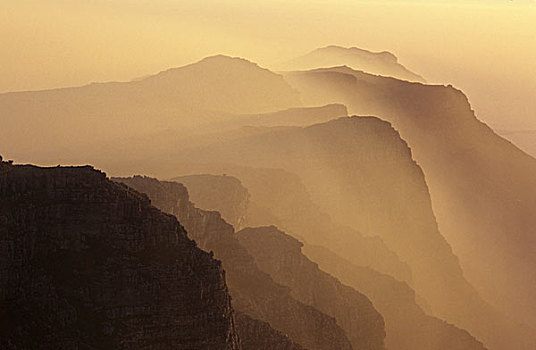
(361, 172)
(280, 198)
(406, 324)
(258, 335)
(253, 291)
(280, 256)
(483, 188)
(89, 264)
(382, 63)
(72, 121)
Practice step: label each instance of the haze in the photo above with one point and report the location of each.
(485, 48)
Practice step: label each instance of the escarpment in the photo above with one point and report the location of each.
(88, 263)
(362, 173)
(407, 325)
(483, 188)
(278, 197)
(279, 255)
(254, 292)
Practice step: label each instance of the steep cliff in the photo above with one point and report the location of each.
(254, 292)
(483, 188)
(277, 197)
(87, 263)
(407, 326)
(259, 335)
(362, 173)
(279, 255)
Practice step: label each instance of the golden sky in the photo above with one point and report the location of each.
(476, 45)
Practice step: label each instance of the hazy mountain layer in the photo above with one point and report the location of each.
(382, 63)
(407, 325)
(253, 291)
(483, 188)
(87, 263)
(279, 255)
(362, 173)
(277, 197)
(69, 123)
(258, 335)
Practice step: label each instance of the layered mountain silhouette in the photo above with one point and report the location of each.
(64, 123)
(381, 63)
(407, 325)
(483, 188)
(87, 263)
(363, 174)
(388, 198)
(254, 292)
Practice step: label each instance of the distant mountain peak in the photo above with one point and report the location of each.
(381, 63)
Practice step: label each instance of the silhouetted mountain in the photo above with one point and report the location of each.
(407, 325)
(254, 292)
(280, 256)
(279, 198)
(69, 123)
(382, 63)
(362, 173)
(483, 188)
(89, 264)
(258, 335)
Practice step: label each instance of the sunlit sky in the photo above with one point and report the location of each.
(486, 48)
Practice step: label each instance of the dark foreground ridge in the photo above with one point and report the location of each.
(88, 263)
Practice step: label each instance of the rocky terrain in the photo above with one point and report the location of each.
(86, 263)
(482, 187)
(254, 292)
(407, 324)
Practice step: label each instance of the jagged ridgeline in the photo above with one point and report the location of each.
(87, 263)
(254, 292)
(406, 323)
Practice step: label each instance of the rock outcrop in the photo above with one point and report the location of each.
(254, 292)
(87, 263)
(259, 335)
(279, 255)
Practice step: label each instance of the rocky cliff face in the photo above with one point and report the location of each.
(362, 173)
(254, 292)
(224, 194)
(482, 188)
(259, 335)
(280, 256)
(277, 197)
(87, 263)
(406, 323)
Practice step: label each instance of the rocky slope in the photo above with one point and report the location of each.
(280, 256)
(87, 263)
(382, 63)
(482, 187)
(277, 197)
(362, 173)
(254, 292)
(259, 335)
(407, 325)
